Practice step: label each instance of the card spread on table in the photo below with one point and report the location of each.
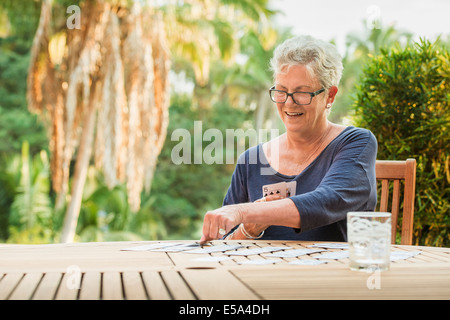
(212, 258)
(249, 252)
(182, 246)
(294, 253)
(334, 255)
(260, 261)
(307, 262)
(218, 248)
(402, 255)
(179, 247)
(329, 245)
(152, 246)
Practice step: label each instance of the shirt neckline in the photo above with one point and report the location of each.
(290, 177)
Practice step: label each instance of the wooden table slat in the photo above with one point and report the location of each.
(48, 286)
(91, 286)
(216, 284)
(403, 283)
(68, 288)
(155, 286)
(176, 285)
(8, 283)
(27, 286)
(133, 286)
(112, 286)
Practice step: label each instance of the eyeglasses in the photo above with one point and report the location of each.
(300, 98)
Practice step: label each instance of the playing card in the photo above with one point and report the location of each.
(294, 253)
(217, 248)
(212, 259)
(178, 248)
(291, 189)
(152, 246)
(260, 261)
(330, 245)
(335, 255)
(249, 252)
(401, 255)
(275, 188)
(307, 262)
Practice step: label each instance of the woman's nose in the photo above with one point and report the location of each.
(290, 100)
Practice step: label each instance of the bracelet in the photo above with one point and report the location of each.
(247, 235)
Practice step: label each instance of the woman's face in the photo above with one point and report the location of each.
(302, 118)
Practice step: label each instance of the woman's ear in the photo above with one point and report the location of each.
(332, 94)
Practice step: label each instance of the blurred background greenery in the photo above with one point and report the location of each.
(391, 85)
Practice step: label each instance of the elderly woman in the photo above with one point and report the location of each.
(333, 165)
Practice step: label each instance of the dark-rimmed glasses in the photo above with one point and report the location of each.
(300, 97)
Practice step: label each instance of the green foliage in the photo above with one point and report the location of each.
(183, 193)
(180, 194)
(27, 183)
(360, 46)
(9, 179)
(22, 18)
(17, 124)
(404, 98)
(406, 107)
(22, 136)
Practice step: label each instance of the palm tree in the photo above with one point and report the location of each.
(103, 85)
(253, 78)
(359, 47)
(103, 89)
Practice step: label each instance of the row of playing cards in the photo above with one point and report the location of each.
(284, 189)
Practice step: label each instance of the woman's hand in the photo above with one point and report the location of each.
(219, 222)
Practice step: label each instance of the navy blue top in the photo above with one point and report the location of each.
(339, 180)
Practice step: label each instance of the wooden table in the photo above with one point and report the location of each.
(107, 272)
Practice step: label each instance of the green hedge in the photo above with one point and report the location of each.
(403, 98)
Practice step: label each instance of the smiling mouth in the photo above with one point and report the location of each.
(293, 114)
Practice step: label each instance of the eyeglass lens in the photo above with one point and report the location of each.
(299, 97)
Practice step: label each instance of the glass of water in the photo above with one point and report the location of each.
(369, 239)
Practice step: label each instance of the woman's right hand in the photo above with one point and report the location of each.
(252, 229)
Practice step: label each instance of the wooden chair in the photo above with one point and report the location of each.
(395, 171)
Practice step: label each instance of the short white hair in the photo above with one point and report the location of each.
(321, 58)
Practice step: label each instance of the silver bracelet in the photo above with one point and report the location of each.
(247, 235)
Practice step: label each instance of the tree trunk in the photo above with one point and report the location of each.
(80, 174)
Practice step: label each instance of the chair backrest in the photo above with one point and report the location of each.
(395, 171)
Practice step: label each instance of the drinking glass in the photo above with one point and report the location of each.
(369, 238)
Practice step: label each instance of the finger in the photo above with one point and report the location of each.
(215, 224)
(206, 227)
(271, 197)
(203, 240)
(224, 226)
(218, 223)
(214, 228)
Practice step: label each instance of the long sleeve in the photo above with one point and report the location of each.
(348, 185)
